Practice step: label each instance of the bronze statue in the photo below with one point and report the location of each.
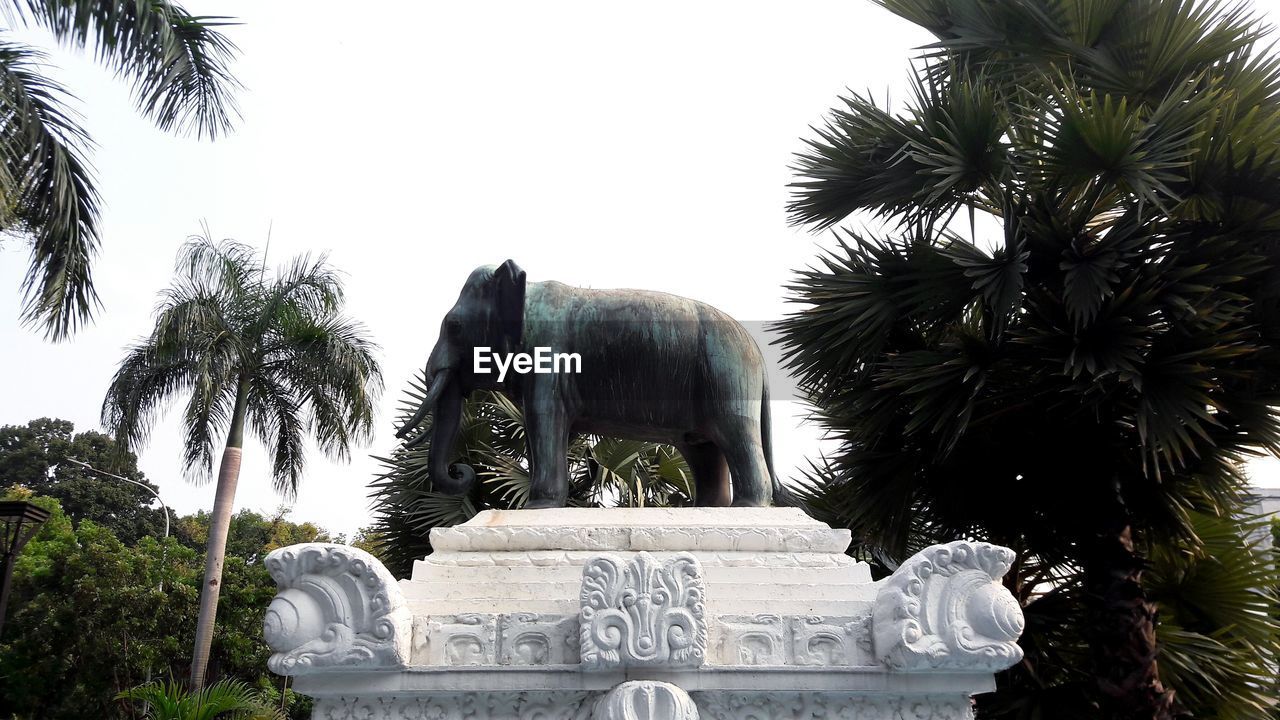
(631, 364)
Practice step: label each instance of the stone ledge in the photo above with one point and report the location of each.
(575, 558)
(784, 530)
(645, 700)
(417, 681)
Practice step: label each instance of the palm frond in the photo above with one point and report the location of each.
(48, 193)
(307, 286)
(207, 416)
(221, 267)
(886, 288)
(330, 367)
(1083, 138)
(224, 699)
(860, 161)
(177, 63)
(275, 414)
(139, 390)
(1217, 629)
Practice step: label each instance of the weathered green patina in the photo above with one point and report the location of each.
(650, 366)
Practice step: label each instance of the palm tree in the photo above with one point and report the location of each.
(270, 352)
(1063, 334)
(224, 699)
(177, 64)
(1216, 631)
(602, 472)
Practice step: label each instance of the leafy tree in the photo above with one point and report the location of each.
(602, 472)
(238, 649)
(368, 539)
(251, 535)
(1082, 382)
(177, 65)
(91, 617)
(270, 352)
(34, 456)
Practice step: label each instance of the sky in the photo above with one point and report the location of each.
(601, 144)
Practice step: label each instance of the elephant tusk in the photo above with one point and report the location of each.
(428, 402)
(414, 442)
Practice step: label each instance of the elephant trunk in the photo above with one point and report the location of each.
(450, 479)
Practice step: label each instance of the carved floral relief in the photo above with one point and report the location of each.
(640, 612)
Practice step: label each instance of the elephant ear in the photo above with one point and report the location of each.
(509, 282)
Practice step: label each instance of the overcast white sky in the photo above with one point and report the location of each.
(601, 144)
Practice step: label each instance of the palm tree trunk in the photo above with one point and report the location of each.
(215, 551)
(1121, 622)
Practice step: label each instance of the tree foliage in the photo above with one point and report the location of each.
(35, 456)
(1062, 333)
(270, 352)
(224, 699)
(177, 65)
(231, 334)
(91, 617)
(251, 535)
(88, 618)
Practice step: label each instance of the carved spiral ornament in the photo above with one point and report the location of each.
(945, 608)
(336, 606)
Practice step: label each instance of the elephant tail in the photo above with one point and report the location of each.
(781, 496)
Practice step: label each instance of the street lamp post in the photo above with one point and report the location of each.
(164, 551)
(19, 521)
(144, 486)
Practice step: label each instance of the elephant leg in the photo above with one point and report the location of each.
(547, 431)
(739, 439)
(710, 473)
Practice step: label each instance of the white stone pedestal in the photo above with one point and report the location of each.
(646, 614)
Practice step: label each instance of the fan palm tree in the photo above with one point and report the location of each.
(602, 472)
(1062, 334)
(272, 353)
(224, 699)
(177, 64)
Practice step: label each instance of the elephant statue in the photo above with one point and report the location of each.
(630, 364)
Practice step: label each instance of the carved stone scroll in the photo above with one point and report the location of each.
(534, 639)
(642, 613)
(945, 608)
(751, 640)
(829, 706)
(336, 607)
(458, 640)
(824, 641)
(805, 640)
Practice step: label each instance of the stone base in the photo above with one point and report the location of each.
(735, 613)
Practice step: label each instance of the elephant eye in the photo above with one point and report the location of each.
(453, 326)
